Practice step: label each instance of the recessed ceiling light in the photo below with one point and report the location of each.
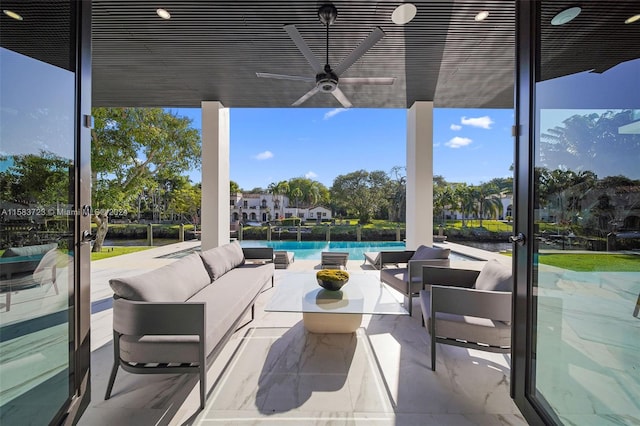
(163, 13)
(404, 13)
(481, 16)
(12, 14)
(632, 19)
(566, 16)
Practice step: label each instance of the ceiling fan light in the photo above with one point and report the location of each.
(404, 13)
(632, 19)
(481, 16)
(163, 13)
(12, 14)
(566, 15)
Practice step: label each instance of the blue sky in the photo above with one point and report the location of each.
(270, 145)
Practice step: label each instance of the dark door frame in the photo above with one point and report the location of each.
(523, 331)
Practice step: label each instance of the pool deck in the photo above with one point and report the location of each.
(146, 260)
(274, 372)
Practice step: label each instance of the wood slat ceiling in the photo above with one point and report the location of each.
(211, 50)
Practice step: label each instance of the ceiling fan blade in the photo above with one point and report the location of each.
(306, 96)
(337, 93)
(375, 36)
(303, 48)
(285, 77)
(368, 80)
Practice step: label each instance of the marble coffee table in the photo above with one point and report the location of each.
(325, 311)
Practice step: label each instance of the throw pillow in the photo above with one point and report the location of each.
(495, 276)
(175, 282)
(220, 260)
(425, 253)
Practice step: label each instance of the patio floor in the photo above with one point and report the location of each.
(272, 371)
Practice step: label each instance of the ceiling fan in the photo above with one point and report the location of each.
(327, 78)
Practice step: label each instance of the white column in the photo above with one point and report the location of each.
(419, 175)
(215, 175)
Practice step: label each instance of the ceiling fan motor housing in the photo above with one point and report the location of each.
(327, 81)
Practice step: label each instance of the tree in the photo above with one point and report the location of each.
(185, 201)
(397, 194)
(130, 147)
(41, 179)
(296, 194)
(360, 193)
(488, 200)
(234, 188)
(592, 142)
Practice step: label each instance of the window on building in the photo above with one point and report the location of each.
(245, 204)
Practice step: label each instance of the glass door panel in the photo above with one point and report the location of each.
(585, 287)
(38, 212)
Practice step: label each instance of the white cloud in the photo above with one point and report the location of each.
(334, 112)
(482, 122)
(458, 142)
(310, 175)
(455, 127)
(264, 155)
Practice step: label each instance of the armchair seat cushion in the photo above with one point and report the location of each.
(473, 329)
(398, 278)
(159, 349)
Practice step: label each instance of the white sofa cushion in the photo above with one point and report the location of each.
(175, 282)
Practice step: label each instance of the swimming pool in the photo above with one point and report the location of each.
(310, 250)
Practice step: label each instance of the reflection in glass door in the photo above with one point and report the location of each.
(38, 205)
(584, 348)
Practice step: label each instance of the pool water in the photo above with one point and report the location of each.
(310, 250)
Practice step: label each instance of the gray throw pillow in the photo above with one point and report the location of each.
(425, 253)
(175, 282)
(495, 276)
(220, 260)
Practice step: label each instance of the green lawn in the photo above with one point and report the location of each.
(603, 262)
(116, 251)
(591, 262)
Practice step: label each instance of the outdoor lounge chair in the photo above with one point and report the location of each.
(334, 260)
(408, 280)
(379, 259)
(24, 268)
(467, 308)
(282, 259)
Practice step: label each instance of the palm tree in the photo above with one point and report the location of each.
(296, 194)
(488, 201)
(282, 188)
(466, 201)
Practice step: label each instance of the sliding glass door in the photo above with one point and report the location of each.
(41, 355)
(578, 357)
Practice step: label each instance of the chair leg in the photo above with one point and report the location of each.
(112, 380)
(432, 333)
(203, 385)
(116, 364)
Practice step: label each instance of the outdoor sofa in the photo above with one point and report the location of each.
(408, 279)
(177, 318)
